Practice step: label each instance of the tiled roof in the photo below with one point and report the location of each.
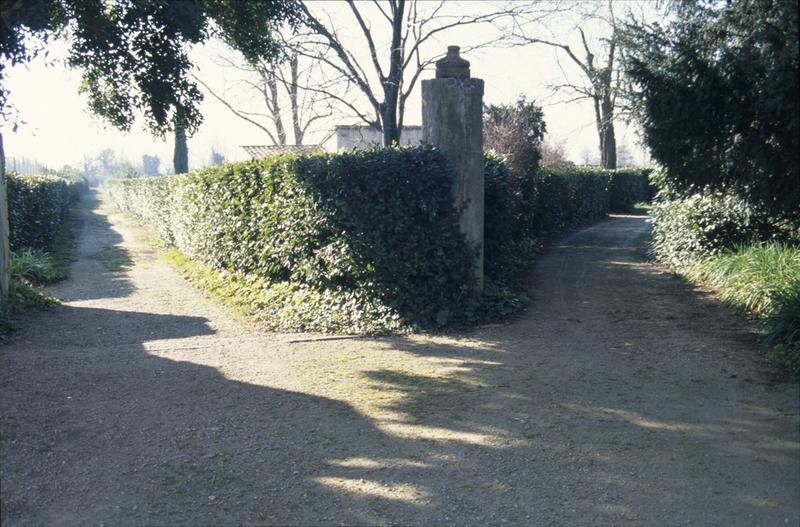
(259, 151)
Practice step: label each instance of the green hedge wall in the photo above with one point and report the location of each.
(521, 212)
(36, 207)
(629, 186)
(369, 235)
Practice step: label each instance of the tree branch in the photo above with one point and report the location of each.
(237, 112)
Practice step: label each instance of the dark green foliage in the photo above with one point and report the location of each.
(509, 240)
(28, 269)
(717, 97)
(133, 53)
(690, 228)
(629, 186)
(784, 329)
(37, 205)
(371, 234)
(35, 267)
(569, 196)
(523, 211)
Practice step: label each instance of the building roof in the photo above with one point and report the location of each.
(364, 126)
(259, 151)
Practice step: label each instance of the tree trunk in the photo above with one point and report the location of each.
(5, 252)
(275, 105)
(391, 85)
(608, 139)
(391, 133)
(180, 160)
(298, 130)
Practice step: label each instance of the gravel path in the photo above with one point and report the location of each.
(622, 397)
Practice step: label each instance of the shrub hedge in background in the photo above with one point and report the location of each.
(690, 226)
(750, 257)
(36, 207)
(359, 241)
(365, 241)
(629, 186)
(523, 211)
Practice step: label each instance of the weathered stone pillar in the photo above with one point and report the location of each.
(452, 120)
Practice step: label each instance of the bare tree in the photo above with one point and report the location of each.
(292, 89)
(553, 153)
(393, 41)
(600, 63)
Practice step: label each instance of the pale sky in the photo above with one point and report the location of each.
(58, 129)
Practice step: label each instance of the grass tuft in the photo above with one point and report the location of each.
(753, 278)
(763, 280)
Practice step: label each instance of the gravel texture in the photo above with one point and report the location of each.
(621, 397)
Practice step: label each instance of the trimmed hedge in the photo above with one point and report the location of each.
(36, 207)
(521, 212)
(359, 241)
(366, 240)
(629, 186)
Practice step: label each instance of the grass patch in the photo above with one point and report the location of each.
(23, 296)
(32, 269)
(115, 259)
(285, 306)
(763, 280)
(753, 278)
(642, 208)
(36, 267)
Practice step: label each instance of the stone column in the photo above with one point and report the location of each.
(452, 120)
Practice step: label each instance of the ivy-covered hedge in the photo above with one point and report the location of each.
(36, 207)
(521, 212)
(362, 241)
(629, 186)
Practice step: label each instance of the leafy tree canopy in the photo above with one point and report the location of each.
(133, 53)
(717, 96)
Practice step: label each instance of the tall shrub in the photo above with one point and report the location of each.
(515, 131)
(716, 96)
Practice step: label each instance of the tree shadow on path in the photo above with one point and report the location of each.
(553, 420)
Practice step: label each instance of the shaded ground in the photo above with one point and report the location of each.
(621, 398)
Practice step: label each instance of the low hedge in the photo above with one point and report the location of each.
(689, 228)
(36, 207)
(364, 241)
(629, 186)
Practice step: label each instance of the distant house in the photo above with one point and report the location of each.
(360, 136)
(261, 151)
(345, 137)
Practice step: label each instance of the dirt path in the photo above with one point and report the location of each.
(621, 398)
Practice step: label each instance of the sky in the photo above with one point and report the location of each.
(57, 129)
